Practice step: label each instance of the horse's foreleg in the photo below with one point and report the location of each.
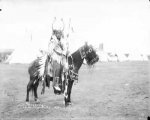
(43, 89)
(67, 93)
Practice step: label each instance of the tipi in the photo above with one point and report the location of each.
(24, 53)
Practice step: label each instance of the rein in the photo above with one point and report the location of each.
(73, 75)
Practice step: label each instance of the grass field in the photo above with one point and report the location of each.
(109, 91)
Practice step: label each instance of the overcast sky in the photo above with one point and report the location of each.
(122, 25)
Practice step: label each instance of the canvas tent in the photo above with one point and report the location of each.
(103, 57)
(135, 57)
(24, 53)
(122, 57)
(112, 57)
(144, 57)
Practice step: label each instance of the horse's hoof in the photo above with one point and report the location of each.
(37, 100)
(41, 92)
(27, 103)
(67, 104)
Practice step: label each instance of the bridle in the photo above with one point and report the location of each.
(84, 53)
(74, 75)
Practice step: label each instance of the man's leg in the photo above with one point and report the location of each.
(56, 83)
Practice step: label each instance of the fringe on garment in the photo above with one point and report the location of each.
(42, 65)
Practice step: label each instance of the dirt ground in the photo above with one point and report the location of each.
(108, 91)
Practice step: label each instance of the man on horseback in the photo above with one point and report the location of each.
(58, 50)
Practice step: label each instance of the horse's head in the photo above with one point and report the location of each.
(89, 53)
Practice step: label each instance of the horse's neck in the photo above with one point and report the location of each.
(77, 60)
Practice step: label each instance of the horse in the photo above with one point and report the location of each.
(66, 80)
(75, 61)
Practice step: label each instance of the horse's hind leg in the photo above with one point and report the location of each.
(29, 86)
(35, 92)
